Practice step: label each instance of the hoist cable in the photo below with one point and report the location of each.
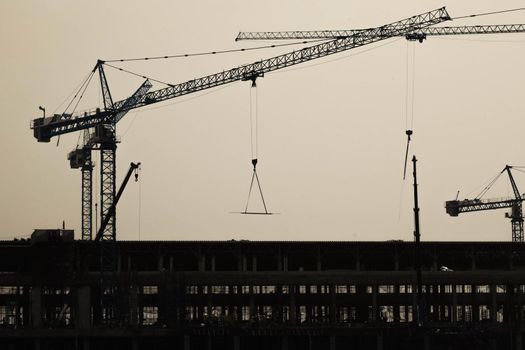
(78, 87)
(407, 85)
(251, 123)
(413, 84)
(140, 207)
(490, 13)
(256, 119)
(214, 52)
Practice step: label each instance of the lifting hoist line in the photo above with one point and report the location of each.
(46, 128)
(254, 149)
(456, 207)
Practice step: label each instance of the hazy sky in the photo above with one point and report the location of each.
(331, 132)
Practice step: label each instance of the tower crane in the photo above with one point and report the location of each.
(456, 207)
(80, 158)
(104, 120)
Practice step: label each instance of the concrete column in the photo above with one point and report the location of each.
(239, 260)
(332, 342)
(36, 308)
(244, 263)
(318, 260)
(129, 263)
(83, 307)
(236, 342)
(454, 304)
(434, 260)
(374, 306)
(212, 263)
(284, 342)
(251, 303)
(357, 261)
(279, 260)
(332, 305)
(472, 260)
(201, 262)
(133, 306)
(119, 262)
(426, 342)
(172, 264)
(396, 260)
(396, 303)
(85, 344)
(285, 264)
(493, 305)
(379, 341)
(518, 340)
(293, 309)
(160, 263)
(254, 263)
(187, 342)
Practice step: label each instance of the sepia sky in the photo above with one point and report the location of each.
(331, 132)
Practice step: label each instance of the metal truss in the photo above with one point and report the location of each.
(517, 229)
(470, 205)
(108, 249)
(430, 31)
(45, 129)
(87, 199)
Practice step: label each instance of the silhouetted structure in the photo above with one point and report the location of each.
(261, 295)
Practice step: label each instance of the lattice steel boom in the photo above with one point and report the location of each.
(45, 128)
(419, 34)
(456, 207)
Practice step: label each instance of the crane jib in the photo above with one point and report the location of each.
(46, 128)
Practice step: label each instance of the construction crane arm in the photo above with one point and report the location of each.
(456, 207)
(111, 211)
(45, 128)
(416, 34)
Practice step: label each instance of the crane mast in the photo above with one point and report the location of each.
(456, 207)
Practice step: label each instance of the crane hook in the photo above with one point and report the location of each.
(408, 133)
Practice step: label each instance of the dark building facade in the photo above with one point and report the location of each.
(211, 295)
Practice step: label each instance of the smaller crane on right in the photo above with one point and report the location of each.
(456, 207)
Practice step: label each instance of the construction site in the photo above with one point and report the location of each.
(100, 287)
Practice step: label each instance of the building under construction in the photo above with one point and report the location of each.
(260, 295)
